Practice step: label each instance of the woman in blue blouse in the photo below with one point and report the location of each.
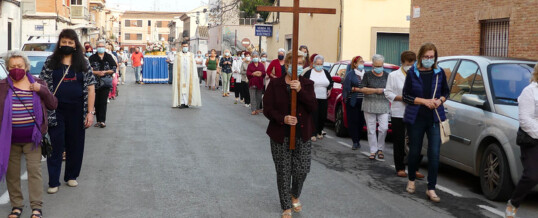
(423, 80)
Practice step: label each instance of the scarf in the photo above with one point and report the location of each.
(6, 125)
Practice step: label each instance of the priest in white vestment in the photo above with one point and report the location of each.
(186, 85)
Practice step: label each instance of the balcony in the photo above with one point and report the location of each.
(80, 12)
(247, 21)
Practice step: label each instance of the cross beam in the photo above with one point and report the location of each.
(296, 10)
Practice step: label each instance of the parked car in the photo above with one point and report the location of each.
(483, 113)
(37, 60)
(47, 44)
(336, 111)
(3, 71)
(327, 66)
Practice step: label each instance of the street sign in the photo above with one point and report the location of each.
(245, 42)
(264, 30)
(39, 27)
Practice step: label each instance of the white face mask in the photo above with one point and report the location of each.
(406, 68)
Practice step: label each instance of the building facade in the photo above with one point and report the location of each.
(45, 18)
(476, 27)
(359, 27)
(192, 20)
(10, 23)
(138, 28)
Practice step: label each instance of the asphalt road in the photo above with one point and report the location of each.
(215, 161)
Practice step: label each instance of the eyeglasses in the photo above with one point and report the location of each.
(428, 57)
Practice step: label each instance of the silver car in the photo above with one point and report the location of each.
(37, 60)
(483, 114)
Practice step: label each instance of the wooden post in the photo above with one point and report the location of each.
(296, 10)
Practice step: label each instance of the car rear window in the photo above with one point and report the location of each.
(508, 81)
(39, 47)
(36, 64)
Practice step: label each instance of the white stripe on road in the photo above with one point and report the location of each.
(491, 209)
(449, 191)
(4, 199)
(344, 144)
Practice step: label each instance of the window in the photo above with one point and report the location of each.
(127, 36)
(342, 70)
(494, 37)
(127, 23)
(149, 22)
(76, 2)
(449, 64)
(139, 36)
(463, 81)
(289, 44)
(508, 80)
(334, 70)
(133, 23)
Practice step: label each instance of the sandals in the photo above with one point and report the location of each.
(372, 157)
(40, 215)
(286, 215)
(97, 124)
(434, 198)
(102, 125)
(13, 213)
(380, 154)
(510, 211)
(410, 188)
(297, 207)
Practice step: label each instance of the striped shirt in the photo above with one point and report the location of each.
(22, 120)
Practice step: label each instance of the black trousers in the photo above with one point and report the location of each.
(101, 97)
(320, 116)
(245, 92)
(398, 138)
(355, 120)
(237, 91)
(529, 159)
(67, 136)
(170, 73)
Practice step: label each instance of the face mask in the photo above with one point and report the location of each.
(88, 54)
(264, 59)
(107, 50)
(428, 63)
(227, 54)
(378, 70)
(299, 70)
(406, 68)
(185, 49)
(360, 67)
(242, 56)
(247, 58)
(102, 50)
(318, 68)
(67, 50)
(281, 57)
(17, 74)
(255, 60)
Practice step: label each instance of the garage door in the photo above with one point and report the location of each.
(391, 45)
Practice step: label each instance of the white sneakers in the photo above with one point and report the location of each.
(72, 183)
(53, 190)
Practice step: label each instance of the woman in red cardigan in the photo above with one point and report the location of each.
(275, 67)
(255, 74)
(290, 165)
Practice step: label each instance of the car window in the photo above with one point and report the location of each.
(342, 70)
(36, 64)
(463, 80)
(508, 80)
(478, 86)
(448, 64)
(334, 69)
(39, 47)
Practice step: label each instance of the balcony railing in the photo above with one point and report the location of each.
(80, 12)
(247, 21)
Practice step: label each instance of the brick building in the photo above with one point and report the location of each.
(141, 27)
(476, 27)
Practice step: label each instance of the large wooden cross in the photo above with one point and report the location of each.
(296, 10)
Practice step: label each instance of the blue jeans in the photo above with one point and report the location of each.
(170, 73)
(137, 71)
(415, 133)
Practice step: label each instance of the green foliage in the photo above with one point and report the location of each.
(249, 7)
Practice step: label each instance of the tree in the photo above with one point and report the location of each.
(222, 10)
(249, 7)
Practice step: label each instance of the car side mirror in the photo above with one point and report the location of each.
(473, 100)
(337, 79)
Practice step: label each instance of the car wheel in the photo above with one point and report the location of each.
(495, 178)
(339, 127)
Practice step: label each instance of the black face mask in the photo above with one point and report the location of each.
(67, 50)
(281, 57)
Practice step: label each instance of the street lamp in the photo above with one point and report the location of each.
(260, 20)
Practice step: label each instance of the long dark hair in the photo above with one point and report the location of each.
(78, 62)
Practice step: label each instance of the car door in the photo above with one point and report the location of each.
(466, 121)
(331, 102)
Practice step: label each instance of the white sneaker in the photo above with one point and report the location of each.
(247, 105)
(108, 101)
(72, 183)
(52, 190)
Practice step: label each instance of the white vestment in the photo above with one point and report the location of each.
(185, 84)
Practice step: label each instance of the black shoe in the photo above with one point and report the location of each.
(356, 146)
(183, 106)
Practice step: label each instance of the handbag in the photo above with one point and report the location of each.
(444, 125)
(105, 82)
(523, 139)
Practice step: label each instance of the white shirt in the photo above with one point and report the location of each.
(320, 83)
(171, 57)
(236, 69)
(201, 60)
(528, 110)
(395, 84)
(359, 73)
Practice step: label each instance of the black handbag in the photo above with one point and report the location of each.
(105, 82)
(523, 139)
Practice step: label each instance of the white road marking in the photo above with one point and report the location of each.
(4, 199)
(24, 175)
(449, 191)
(491, 209)
(344, 144)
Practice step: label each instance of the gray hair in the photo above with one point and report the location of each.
(319, 57)
(378, 57)
(17, 54)
(282, 50)
(101, 42)
(263, 53)
(255, 53)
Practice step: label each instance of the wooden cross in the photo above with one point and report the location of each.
(296, 10)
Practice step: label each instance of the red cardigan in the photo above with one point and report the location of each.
(275, 64)
(276, 105)
(254, 80)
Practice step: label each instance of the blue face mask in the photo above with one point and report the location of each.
(264, 59)
(101, 50)
(185, 49)
(428, 63)
(318, 68)
(88, 54)
(299, 70)
(378, 70)
(255, 60)
(360, 67)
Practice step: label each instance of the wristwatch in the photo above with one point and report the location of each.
(92, 112)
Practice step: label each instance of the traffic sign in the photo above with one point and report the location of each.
(264, 30)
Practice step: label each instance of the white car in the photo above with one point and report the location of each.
(37, 59)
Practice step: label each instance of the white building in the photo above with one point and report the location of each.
(192, 21)
(10, 25)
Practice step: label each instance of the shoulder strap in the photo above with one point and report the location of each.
(59, 83)
(434, 92)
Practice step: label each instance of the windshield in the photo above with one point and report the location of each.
(36, 64)
(3, 72)
(508, 80)
(39, 47)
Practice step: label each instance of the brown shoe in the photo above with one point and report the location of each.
(420, 175)
(401, 173)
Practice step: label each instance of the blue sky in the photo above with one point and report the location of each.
(159, 5)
